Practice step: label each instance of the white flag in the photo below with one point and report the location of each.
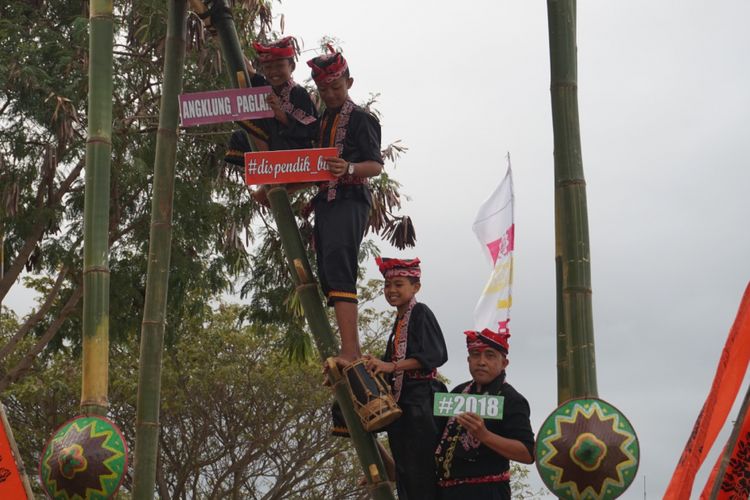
(495, 230)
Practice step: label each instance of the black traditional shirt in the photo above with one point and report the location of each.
(300, 133)
(459, 456)
(356, 133)
(426, 344)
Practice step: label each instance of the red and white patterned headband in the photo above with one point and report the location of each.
(391, 268)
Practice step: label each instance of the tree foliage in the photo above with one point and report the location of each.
(223, 241)
(238, 419)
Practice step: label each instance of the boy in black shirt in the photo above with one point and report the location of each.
(342, 206)
(295, 121)
(415, 350)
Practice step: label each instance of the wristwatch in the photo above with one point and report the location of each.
(350, 168)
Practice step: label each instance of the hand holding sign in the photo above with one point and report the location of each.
(474, 424)
(275, 103)
(337, 166)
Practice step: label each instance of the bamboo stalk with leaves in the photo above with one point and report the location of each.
(160, 240)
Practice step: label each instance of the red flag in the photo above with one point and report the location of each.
(11, 482)
(726, 384)
(733, 483)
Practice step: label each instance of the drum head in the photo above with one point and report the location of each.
(361, 381)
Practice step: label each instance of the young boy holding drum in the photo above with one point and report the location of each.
(415, 350)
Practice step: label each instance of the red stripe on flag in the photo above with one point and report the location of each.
(11, 485)
(503, 245)
(733, 481)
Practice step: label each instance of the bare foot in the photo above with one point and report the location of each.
(339, 362)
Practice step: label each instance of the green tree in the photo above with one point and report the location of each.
(222, 241)
(41, 154)
(239, 419)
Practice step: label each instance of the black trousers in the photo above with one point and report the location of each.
(413, 438)
(483, 491)
(339, 227)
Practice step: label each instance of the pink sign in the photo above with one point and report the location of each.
(201, 108)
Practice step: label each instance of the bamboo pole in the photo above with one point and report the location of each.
(96, 212)
(325, 340)
(222, 22)
(575, 321)
(160, 241)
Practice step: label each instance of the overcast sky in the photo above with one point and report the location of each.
(664, 100)
(665, 125)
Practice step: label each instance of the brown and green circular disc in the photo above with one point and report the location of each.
(587, 450)
(85, 459)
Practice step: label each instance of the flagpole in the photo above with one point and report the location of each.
(729, 448)
(513, 220)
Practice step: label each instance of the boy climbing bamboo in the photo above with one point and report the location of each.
(295, 121)
(342, 206)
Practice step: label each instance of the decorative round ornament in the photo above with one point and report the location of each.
(587, 450)
(85, 459)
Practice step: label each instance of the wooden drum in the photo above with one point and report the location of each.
(371, 397)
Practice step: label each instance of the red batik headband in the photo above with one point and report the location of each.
(487, 338)
(390, 268)
(328, 68)
(281, 49)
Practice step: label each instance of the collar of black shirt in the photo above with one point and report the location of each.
(493, 387)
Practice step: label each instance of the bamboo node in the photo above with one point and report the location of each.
(241, 82)
(96, 269)
(299, 267)
(571, 182)
(563, 84)
(374, 473)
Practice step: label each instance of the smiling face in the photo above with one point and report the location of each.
(399, 291)
(278, 71)
(485, 365)
(335, 93)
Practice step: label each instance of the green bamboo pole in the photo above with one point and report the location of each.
(222, 22)
(563, 361)
(160, 241)
(307, 289)
(325, 340)
(96, 212)
(575, 327)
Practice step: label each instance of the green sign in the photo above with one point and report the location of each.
(450, 404)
